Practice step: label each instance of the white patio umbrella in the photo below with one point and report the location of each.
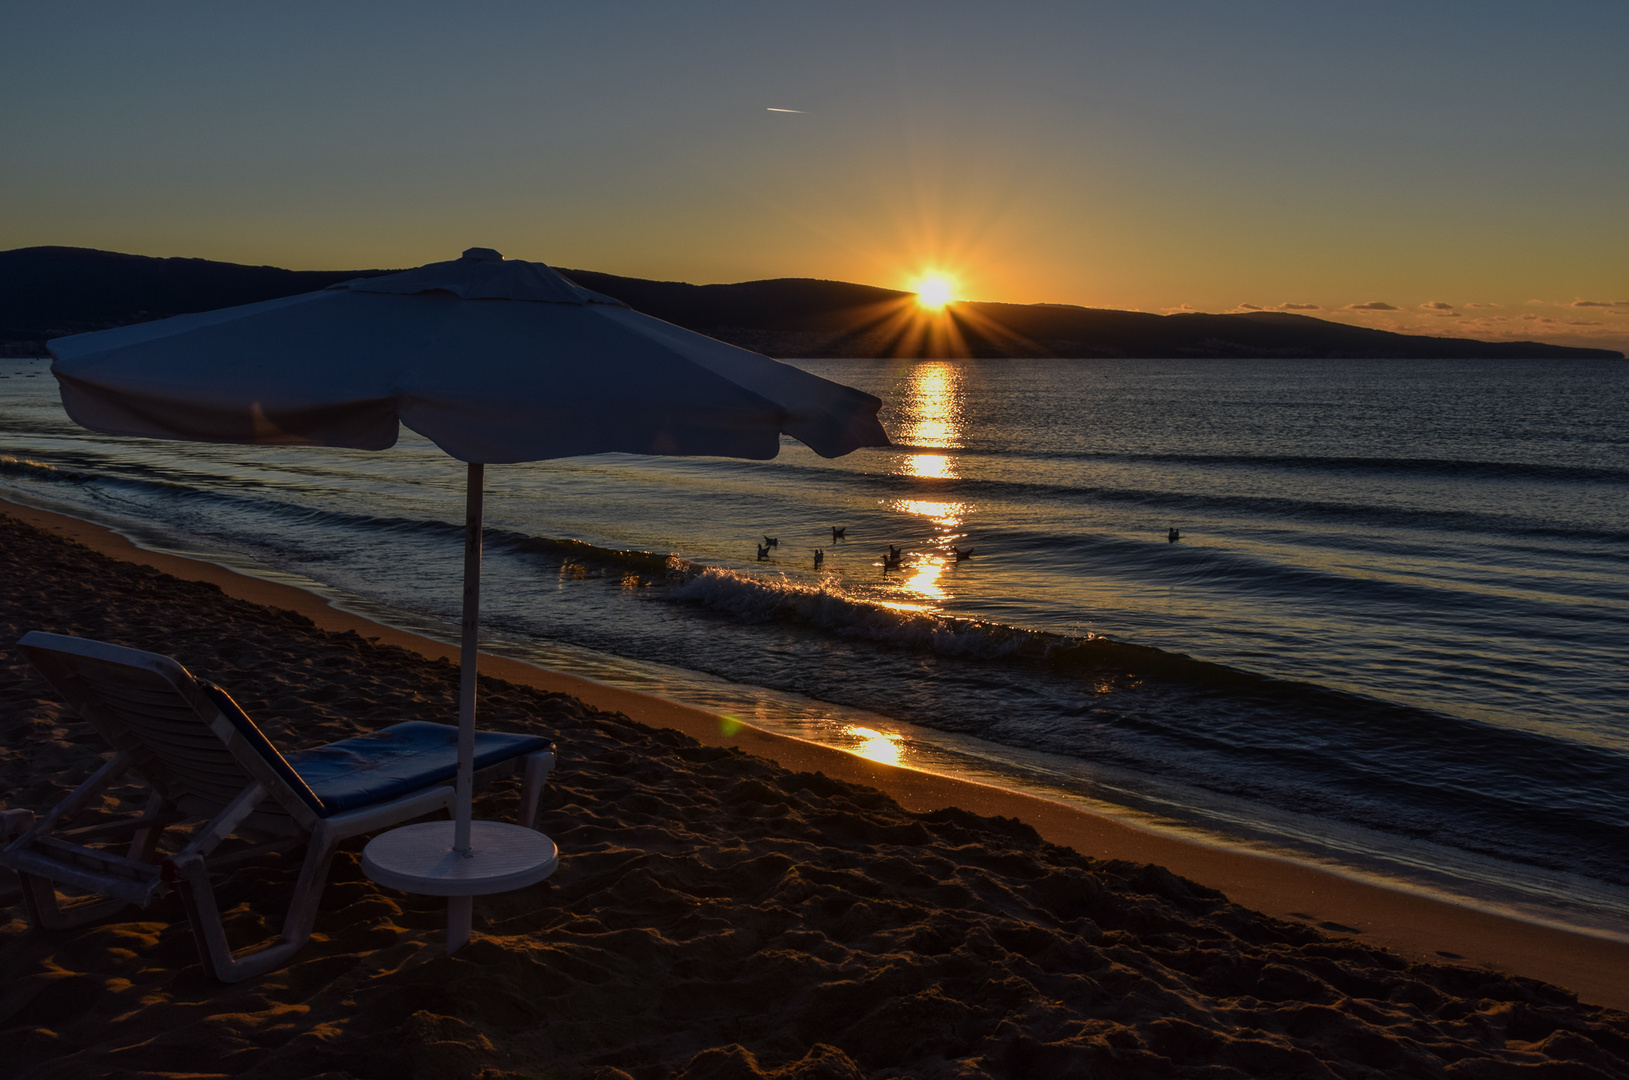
(493, 360)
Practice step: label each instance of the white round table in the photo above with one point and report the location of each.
(420, 859)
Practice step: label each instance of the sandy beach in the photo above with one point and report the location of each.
(730, 903)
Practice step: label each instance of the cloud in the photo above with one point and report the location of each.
(1437, 305)
(1484, 305)
(1530, 317)
(1300, 307)
(1372, 305)
(1248, 307)
(1592, 303)
(1583, 322)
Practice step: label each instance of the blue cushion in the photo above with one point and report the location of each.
(397, 761)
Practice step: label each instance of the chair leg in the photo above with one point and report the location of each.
(144, 842)
(302, 911)
(537, 769)
(47, 911)
(45, 907)
(204, 917)
(198, 896)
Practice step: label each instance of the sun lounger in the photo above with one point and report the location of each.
(205, 760)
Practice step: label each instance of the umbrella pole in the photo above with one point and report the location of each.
(469, 654)
(415, 858)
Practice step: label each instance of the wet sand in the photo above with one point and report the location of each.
(787, 910)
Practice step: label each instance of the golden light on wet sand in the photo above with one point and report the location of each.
(883, 746)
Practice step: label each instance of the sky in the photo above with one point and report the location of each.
(1442, 167)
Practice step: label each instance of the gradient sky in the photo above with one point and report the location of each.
(1463, 165)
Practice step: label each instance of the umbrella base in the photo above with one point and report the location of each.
(420, 859)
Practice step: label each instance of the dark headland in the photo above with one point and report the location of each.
(47, 292)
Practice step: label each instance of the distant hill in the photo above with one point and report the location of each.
(47, 292)
(805, 317)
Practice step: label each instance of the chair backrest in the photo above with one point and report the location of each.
(179, 738)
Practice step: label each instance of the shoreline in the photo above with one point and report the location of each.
(1421, 928)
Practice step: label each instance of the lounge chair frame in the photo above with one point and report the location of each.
(167, 728)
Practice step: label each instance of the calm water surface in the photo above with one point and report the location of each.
(1393, 637)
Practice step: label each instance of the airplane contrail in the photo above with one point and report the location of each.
(773, 109)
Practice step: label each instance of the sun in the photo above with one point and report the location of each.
(934, 291)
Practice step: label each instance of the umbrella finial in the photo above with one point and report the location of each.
(482, 254)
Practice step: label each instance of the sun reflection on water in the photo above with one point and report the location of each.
(931, 417)
(946, 515)
(924, 579)
(932, 465)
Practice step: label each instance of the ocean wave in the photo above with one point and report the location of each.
(29, 469)
(651, 567)
(1161, 504)
(1449, 468)
(753, 598)
(1194, 504)
(597, 561)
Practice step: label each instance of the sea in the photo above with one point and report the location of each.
(1391, 638)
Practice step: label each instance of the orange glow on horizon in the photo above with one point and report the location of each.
(910, 327)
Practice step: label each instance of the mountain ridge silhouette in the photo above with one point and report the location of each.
(48, 292)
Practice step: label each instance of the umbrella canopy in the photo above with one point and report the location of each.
(494, 361)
